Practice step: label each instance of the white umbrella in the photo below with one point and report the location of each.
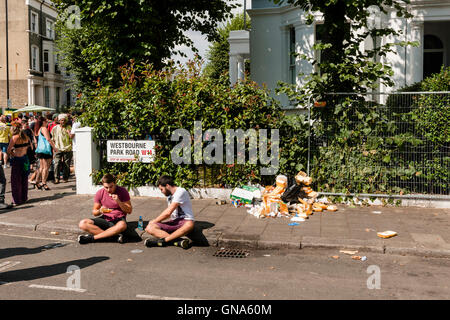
(34, 108)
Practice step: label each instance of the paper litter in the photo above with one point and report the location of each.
(305, 204)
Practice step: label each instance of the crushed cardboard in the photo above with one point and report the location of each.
(272, 205)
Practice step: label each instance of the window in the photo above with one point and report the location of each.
(34, 23)
(35, 58)
(46, 64)
(433, 55)
(47, 96)
(50, 29)
(57, 95)
(56, 64)
(320, 29)
(69, 98)
(292, 71)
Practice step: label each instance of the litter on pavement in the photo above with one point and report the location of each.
(297, 201)
(349, 252)
(387, 234)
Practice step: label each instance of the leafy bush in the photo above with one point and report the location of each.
(160, 102)
(432, 114)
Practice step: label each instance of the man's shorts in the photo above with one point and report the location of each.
(104, 224)
(171, 225)
(4, 146)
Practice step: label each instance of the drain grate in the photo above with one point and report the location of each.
(231, 253)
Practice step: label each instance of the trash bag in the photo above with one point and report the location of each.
(292, 194)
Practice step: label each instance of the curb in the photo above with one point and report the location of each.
(217, 240)
(261, 245)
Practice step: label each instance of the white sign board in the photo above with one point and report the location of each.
(130, 150)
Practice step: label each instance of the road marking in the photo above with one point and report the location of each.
(28, 237)
(38, 286)
(8, 264)
(152, 297)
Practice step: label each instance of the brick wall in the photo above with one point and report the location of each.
(18, 93)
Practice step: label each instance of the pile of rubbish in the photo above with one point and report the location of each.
(297, 201)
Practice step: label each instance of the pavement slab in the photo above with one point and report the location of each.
(421, 231)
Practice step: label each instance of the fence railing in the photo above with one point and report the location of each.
(404, 149)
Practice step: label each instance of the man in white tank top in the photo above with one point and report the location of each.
(179, 211)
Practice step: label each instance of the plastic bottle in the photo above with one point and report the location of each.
(140, 223)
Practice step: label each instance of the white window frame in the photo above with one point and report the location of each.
(56, 63)
(317, 53)
(46, 51)
(34, 59)
(438, 50)
(51, 23)
(57, 97)
(292, 43)
(36, 22)
(47, 96)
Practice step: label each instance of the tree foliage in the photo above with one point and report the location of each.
(156, 103)
(114, 32)
(344, 67)
(218, 53)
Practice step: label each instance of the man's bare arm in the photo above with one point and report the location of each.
(166, 213)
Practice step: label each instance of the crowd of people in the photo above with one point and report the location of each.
(31, 146)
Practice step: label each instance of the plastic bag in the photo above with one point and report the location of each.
(292, 194)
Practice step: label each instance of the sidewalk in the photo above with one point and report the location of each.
(422, 232)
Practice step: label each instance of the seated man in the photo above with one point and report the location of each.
(181, 217)
(114, 203)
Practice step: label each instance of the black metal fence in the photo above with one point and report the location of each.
(410, 153)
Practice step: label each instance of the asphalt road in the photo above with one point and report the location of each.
(33, 267)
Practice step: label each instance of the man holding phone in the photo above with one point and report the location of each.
(111, 206)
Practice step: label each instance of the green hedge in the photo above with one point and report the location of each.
(358, 146)
(156, 103)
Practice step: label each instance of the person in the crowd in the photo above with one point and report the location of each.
(5, 136)
(52, 121)
(112, 204)
(31, 122)
(179, 211)
(20, 165)
(62, 137)
(30, 152)
(75, 125)
(44, 154)
(3, 205)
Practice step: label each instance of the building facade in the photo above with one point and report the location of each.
(279, 30)
(34, 75)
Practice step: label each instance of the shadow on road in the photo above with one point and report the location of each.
(197, 237)
(55, 196)
(15, 208)
(20, 251)
(30, 274)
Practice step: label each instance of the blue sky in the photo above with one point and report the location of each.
(200, 41)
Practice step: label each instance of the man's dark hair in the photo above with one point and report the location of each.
(166, 180)
(108, 178)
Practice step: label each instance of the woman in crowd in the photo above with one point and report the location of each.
(44, 153)
(20, 165)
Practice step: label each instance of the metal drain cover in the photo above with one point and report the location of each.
(231, 253)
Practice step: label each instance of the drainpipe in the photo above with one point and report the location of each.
(7, 58)
(41, 51)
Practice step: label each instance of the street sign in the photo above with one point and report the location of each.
(130, 150)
